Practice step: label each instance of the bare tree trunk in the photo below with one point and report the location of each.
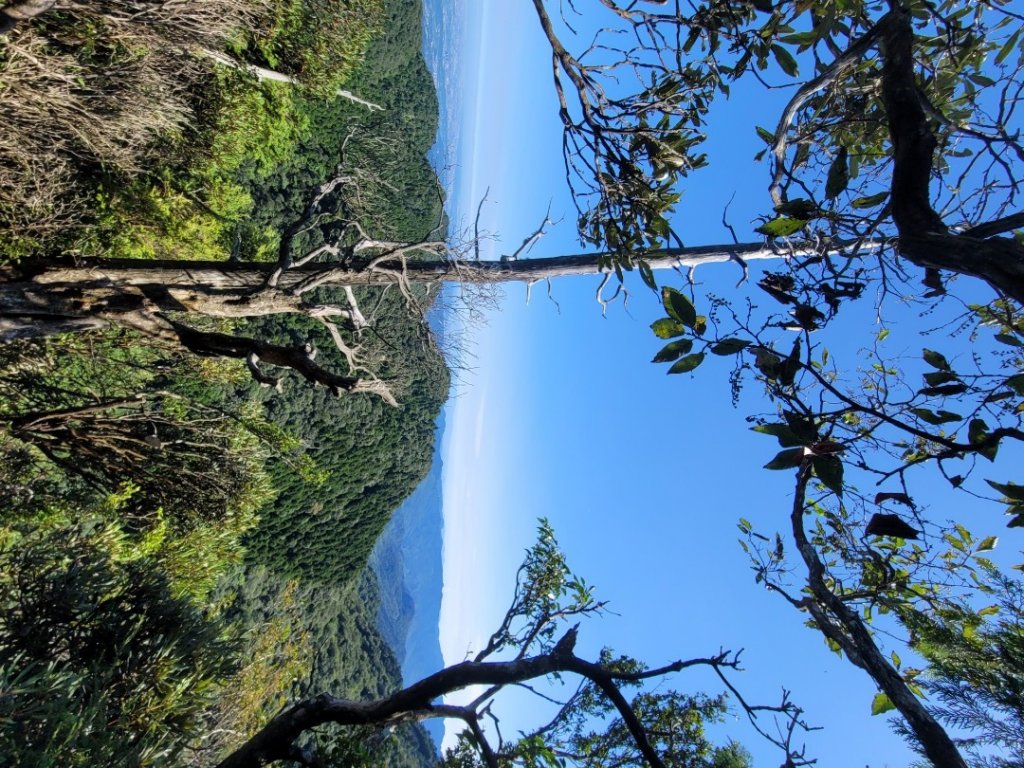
(262, 73)
(99, 292)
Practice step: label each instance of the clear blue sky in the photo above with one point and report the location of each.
(642, 475)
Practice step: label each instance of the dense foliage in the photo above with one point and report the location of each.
(370, 456)
(135, 479)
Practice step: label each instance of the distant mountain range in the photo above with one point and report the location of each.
(407, 561)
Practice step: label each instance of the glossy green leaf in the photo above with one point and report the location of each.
(1011, 491)
(945, 390)
(802, 427)
(766, 136)
(987, 544)
(800, 208)
(935, 378)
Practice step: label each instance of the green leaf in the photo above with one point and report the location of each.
(673, 351)
(786, 437)
(667, 328)
(881, 704)
(936, 417)
(782, 226)
(870, 202)
(678, 306)
(829, 470)
(989, 610)
(896, 660)
(790, 366)
(766, 136)
(687, 363)
(936, 360)
(1011, 491)
(800, 208)
(647, 274)
(834, 647)
(934, 378)
(946, 390)
(802, 427)
(838, 175)
(987, 544)
(729, 346)
(1016, 383)
(787, 459)
(1011, 341)
(977, 430)
(785, 60)
(1007, 48)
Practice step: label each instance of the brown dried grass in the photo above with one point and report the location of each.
(97, 84)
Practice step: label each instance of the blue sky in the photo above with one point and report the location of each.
(643, 476)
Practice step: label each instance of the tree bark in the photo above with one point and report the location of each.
(92, 294)
(844, 627)
(923, 237)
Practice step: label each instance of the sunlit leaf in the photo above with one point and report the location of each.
(881, 704)
(783, 226)
(987, 544)
(870, 202)
(667, 328)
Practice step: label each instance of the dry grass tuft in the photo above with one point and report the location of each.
(95, 84)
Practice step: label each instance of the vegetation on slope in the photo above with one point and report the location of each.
(135, 479)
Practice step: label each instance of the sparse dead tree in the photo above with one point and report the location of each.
(657, 727)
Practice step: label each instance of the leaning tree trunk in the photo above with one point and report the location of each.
(56, 299)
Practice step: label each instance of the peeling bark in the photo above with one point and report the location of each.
(100, 291)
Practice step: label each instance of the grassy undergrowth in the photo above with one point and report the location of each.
(122, 139)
